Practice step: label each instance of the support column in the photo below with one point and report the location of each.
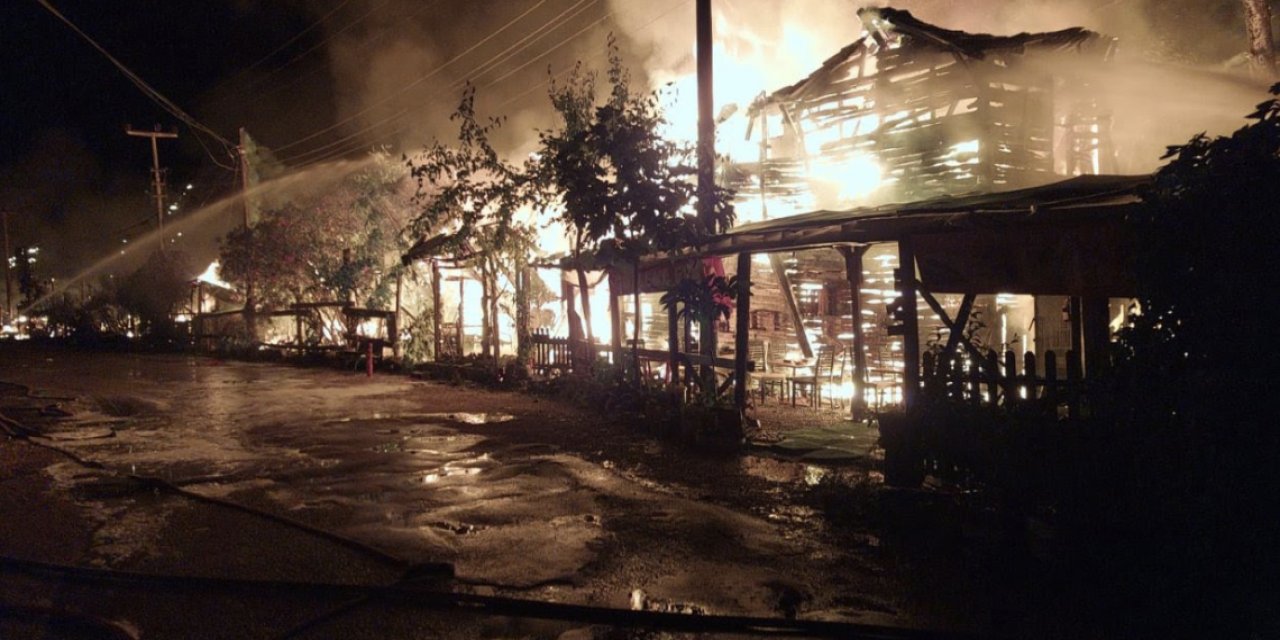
(393, 327)
(911, 325)
(436, 312)
(615, 322)
(1096, 316)
(743, 327)
(673, 345)
(853, 273)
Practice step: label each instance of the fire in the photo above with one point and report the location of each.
(213, 275)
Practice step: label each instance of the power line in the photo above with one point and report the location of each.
(271, 74)
(295, 38)
(349, 136)
(415, 83)
(155, 96)
(546, 29)
(544, 54)
(515, 48)
(365, 44)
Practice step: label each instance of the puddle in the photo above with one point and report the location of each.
(123, 406)
(480, 418)
(81, 434)
(468, 467)
(464, 417)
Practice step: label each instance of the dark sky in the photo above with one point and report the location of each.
(286, 70)
(362, 76)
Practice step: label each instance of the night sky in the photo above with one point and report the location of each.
(283, 69)
(317, 79)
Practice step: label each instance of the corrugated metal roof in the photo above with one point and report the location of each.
(1081, 191)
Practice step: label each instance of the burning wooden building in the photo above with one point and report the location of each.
(911, 111)
(977, 132)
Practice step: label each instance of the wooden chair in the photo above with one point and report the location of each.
(824, 374)
(764, 377)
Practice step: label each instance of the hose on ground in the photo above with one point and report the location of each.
(443, 600)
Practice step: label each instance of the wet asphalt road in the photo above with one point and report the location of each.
(523, 496)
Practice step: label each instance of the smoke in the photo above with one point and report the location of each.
(399, 66)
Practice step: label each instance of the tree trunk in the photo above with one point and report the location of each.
(1262, 51)
(486, 333)
(495, 319)
(635, 328)
(585, 293)
(522, 313)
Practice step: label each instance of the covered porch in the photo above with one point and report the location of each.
(1002, 298)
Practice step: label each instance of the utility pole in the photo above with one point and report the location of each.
(242, 152)
(706, 125)
(8, 277)
(156, 174)
(706, 162)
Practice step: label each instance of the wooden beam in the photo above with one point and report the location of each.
(743, 327)
(911, 325)
(956, 328)
(958, 325)
(853, 274)
(784, 283)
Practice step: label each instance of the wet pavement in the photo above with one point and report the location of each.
(522, 495)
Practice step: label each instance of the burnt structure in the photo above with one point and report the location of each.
(911, 111)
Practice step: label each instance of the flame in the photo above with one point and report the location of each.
(213, 275)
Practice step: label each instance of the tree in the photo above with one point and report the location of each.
(470, 197)
(30, 285)
(611, 177)
(339, 245)
(156, 289)
(1262, 48)
(1182, 471)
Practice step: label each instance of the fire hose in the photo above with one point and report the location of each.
(422, 585)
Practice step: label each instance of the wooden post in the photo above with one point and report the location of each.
(486, 323)
(461, 331)
(673, 345)
(1096, 318)
(615, 321)
(393, 328)
(1075, 314)
(523, 276)
(436, 311)
(853, 273)
(742, 328)
(911, 325)
(297, 322)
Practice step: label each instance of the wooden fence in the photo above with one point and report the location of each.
(998, 382)
(548, 354)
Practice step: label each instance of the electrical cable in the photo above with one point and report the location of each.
(409, 594)
(137, 81)
(646, 25)
(271, 74)
(360, 48)
(415, 83)
(514, 49)
(349, 136)
(295, 38)
(524, 43)
(410, 591)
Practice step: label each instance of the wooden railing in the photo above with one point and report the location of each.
(998, 382)
(548, 353)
